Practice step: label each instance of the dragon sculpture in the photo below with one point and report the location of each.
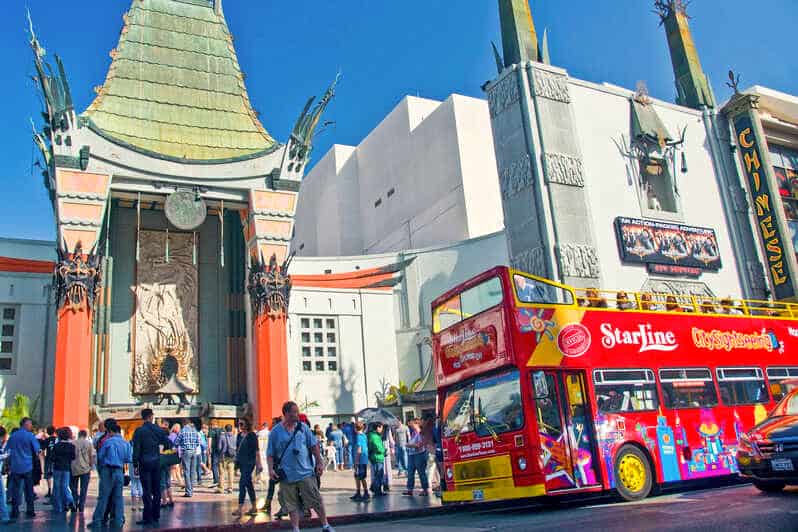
(78, 277)
(269, 287)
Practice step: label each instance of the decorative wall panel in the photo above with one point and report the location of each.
(165, 330)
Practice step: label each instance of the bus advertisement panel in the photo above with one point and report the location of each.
(589, 398)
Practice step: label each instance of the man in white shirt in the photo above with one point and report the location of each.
(263, 441)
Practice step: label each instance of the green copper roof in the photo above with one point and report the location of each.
(175, 89)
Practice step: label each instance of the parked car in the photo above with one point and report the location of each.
(768, 453)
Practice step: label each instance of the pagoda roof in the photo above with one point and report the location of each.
(175, 90)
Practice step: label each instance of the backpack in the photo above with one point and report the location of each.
(229, 447)
(216, 439)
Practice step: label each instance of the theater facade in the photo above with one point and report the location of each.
(171, 198)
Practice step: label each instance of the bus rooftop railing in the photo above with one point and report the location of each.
(680, 303)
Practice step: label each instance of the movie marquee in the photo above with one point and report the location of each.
(669, 249)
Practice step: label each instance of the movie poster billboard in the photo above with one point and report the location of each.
(649, 242)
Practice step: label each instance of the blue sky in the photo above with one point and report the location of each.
(291, 49)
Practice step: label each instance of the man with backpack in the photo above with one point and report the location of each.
(214, 435)
(226, 460)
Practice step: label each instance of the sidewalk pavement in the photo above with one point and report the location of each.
(207, 510)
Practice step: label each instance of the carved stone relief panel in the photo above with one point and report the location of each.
(676, 287)
(564, 169)
(516, 177)
(579, 260)
(503, 95)
(551, 86)
(531, 261)
(165, 328)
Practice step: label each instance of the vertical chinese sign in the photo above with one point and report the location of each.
(765, 205)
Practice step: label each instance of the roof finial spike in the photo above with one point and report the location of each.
(519, 39)
(734, 82)
(544, 48)
(691, 82)
(498, 57)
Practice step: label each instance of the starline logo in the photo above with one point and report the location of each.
(645, 337)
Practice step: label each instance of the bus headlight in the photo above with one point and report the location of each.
(522, 463)
(449, 473)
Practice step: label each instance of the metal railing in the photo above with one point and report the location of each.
(622, 300)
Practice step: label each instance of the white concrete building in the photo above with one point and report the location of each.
(27, 323)
(607, 187)
(378, 337)
(426, 175)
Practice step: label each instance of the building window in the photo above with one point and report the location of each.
(785, 166)
(319, 344)
(8, 337)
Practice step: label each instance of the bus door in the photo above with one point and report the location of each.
(567, 447)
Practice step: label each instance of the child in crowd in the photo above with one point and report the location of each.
(329, 453)
(136, 490)
(360, 466)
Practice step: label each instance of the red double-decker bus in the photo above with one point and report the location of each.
(545, 389)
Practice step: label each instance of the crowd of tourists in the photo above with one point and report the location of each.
(287, 457)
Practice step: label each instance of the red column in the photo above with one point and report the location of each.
(270, 357)
(77, 281)
(72, 368)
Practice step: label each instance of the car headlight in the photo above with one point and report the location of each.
(522, 463)
(449, 473)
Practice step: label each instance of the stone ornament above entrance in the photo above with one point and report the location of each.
(185, 210)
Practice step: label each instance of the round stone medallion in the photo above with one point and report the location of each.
(185, 211)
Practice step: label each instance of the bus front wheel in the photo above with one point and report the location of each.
(633, 477)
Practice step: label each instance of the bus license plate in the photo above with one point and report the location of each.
(781, 464)
(477, 495)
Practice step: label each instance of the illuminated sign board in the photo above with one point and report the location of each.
(764, 207)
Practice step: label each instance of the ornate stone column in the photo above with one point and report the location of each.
(269, 289)
(78, 280)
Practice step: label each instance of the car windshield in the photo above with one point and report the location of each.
(788, 406)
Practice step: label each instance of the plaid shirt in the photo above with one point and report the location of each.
(188, 439)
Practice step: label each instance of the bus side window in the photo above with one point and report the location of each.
(782, 380)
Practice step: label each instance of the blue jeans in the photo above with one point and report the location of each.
(80, 488)
(189, 470)
(377, 477)
(23, 482)
(245, 486)
(351, 451)
(62, 496)
(3, 505)
(417, 463)
(339, 455)
(112, 479)
(401, 458)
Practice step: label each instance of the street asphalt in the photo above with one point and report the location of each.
(726, 509)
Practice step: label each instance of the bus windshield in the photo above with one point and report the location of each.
(531, 290)
(489, 405)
